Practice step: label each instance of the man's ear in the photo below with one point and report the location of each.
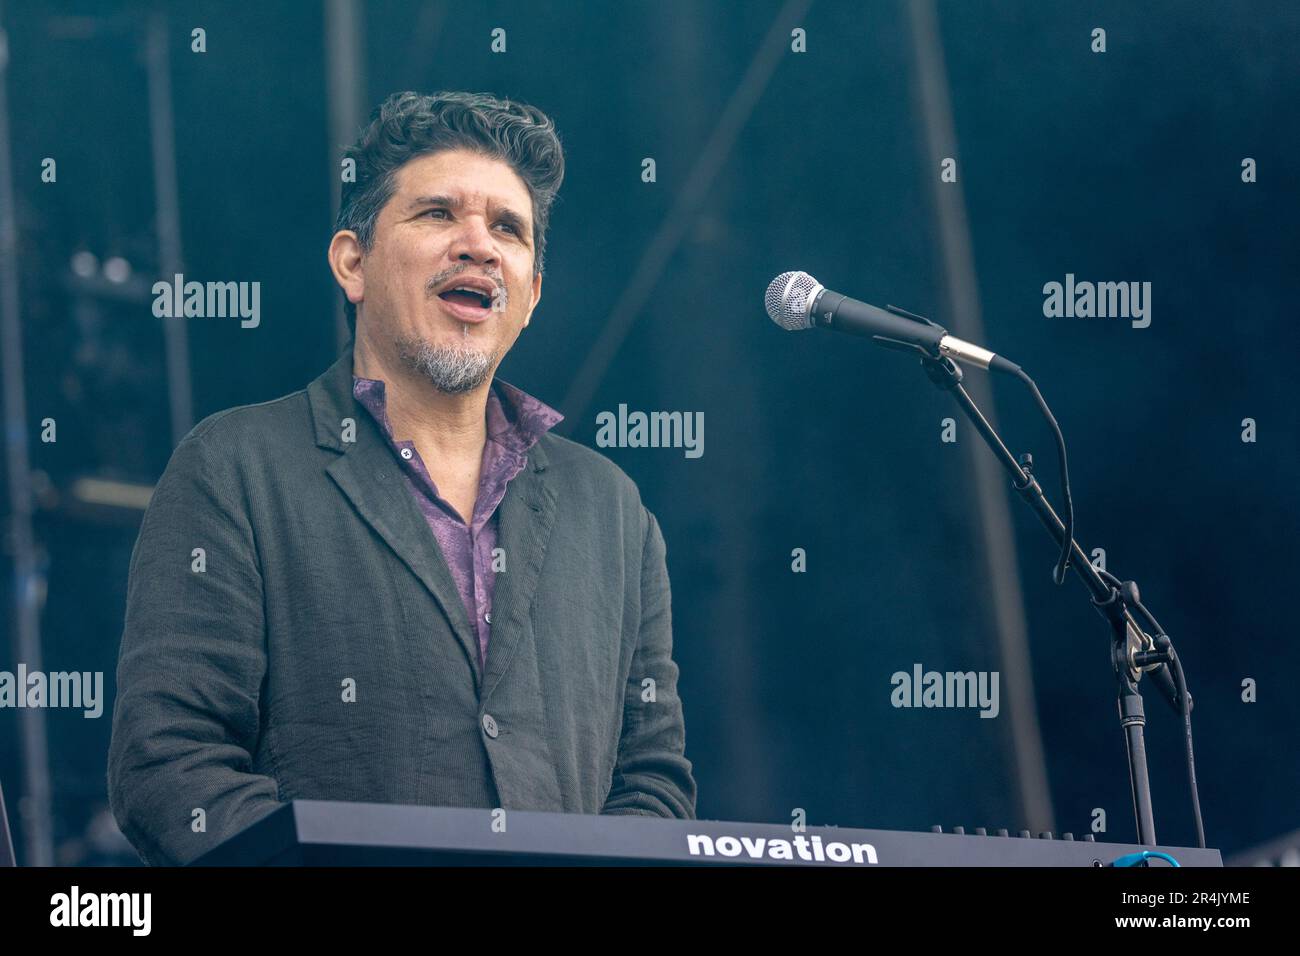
(536, 297)
(345, 259)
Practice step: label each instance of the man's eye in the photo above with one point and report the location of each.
(427, 211)
(510, 227)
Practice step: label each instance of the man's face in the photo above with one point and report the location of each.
(456, 218)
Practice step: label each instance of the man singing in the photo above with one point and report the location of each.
(396, 585)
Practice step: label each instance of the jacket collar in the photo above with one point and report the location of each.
(332, 402)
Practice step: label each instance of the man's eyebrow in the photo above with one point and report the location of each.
(504, 213)
(449, 201)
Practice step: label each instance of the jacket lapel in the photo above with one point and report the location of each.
(369, 475)
(524, 520)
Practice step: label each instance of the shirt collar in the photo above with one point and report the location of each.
(515, 419)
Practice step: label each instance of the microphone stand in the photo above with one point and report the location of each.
(1132, 650)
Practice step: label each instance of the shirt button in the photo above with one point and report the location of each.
(490, 725)
(406, 453)
(488, 617)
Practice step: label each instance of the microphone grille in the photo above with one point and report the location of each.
(787, 300)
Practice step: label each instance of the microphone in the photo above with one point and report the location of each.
(795, 300)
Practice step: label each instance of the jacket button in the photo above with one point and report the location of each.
(490, 725)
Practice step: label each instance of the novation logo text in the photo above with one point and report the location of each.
(809, 849)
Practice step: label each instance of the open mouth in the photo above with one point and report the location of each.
(467, 304)
(469, 298)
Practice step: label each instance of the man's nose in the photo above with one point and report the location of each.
(473, 241)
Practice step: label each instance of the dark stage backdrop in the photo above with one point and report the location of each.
(773, 150)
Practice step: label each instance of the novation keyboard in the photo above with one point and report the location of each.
(323, 833)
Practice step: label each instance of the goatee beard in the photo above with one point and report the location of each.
(452, 370)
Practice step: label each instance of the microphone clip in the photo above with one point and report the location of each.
(915, 318)
(948, 372)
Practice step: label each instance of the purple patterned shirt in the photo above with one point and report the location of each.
(515, 420)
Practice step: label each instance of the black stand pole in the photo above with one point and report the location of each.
(1132, 650)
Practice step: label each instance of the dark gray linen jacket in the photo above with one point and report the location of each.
(316, 646)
